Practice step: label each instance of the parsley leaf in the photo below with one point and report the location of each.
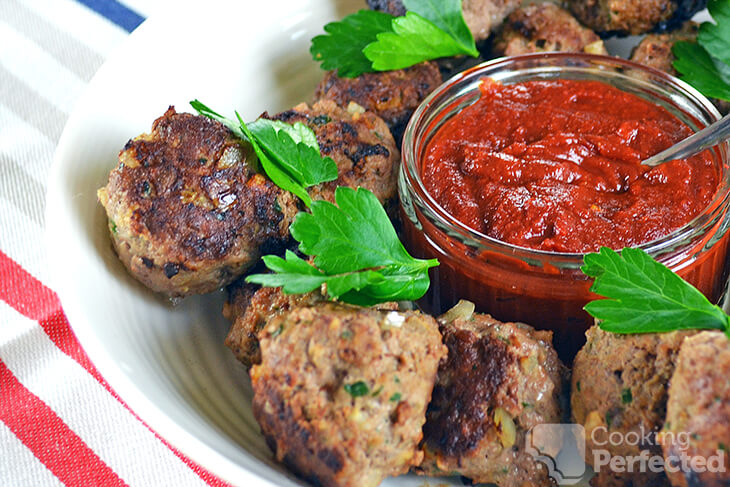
(369, 41)
(413, 40)
(341, 48)
(295, 149)
(289, 154)
(447, 16)
(645, 296)
(697, 68)
(715, 38)
(357, 254)
(705, 64)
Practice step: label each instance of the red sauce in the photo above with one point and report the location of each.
(555, 165)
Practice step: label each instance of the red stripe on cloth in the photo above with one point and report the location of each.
(49, 438)
(31, 298)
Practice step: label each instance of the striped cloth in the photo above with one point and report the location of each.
(60, 422)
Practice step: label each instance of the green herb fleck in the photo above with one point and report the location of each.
(377, 391)
(278, 331)
(609, 418)
(357, 389)
(321, 119)
(626, 396)
(526, 405)
(346, 334)
(577, 386)
(113, 226)
(395, 397)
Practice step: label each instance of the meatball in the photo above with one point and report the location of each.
(620, 384)
(481, 16)
(249, 307)
(655, 50)
(498, 381)
(392, 95)
(633, 17)
(545, 27)
(187, 211)
(341, 391)
(358, 141)
(698, 411)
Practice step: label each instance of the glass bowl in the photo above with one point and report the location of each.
(542, 288)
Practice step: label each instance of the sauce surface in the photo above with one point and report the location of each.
(555, 165)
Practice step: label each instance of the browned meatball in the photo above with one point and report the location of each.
(358, 141)
(481, 16)
(392, 95)
(341, 391)
(249, 307)
(498, 381)
(698, 412)
(620, 384)
(545, 27)
(655, 50)
(187, 211)
(633, 16)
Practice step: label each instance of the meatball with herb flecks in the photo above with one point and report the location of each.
(498, 381)
(619, 385)
(698, 413)
(633, 17)
(392, 95)
(544, 27)
(188, 209)
(341, 391)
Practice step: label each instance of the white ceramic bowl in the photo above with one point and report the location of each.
(168, 362)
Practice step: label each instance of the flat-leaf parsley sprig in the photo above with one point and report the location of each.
(644, 296)
(356, 252)
(370, 41)
(705, 64)
(289, 154)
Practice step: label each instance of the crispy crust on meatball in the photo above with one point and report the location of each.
(655, 50)
(249, 307)
(481, 16)
(392, 95)
(545, 27)
(188, 212)
(620, 384)
(358, 141)
(341, 391)
(498, 381)
(633, 17)
(698, 409)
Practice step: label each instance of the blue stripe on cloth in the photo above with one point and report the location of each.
(117, 13)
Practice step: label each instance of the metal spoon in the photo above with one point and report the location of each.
(704, 139)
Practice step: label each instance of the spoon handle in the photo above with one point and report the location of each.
(704, 139)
